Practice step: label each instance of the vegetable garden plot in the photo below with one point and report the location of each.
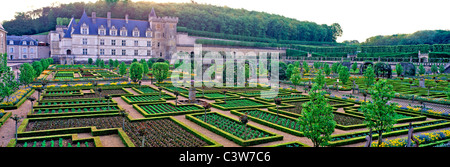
(290, 144)
(159, 132)
(283, 97)
(164, 109)
(61, 141)
(68, 103)
(233, 129)
(77, 110)
(145, 89)
(240, 103)
(147, 98)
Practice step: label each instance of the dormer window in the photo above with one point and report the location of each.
(113, 31)
(84, 29)
(148, 34)
(123, 31)
(101, 30)
(31, 43)
(11, 42)
(136, 32)
(24, 43)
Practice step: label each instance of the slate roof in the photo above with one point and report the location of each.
(18, 40)
(117, 23)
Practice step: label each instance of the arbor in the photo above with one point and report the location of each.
(317, 122)
(122, 69)
(136, 71)
(379, 114)
(27, 74)
(160, 71)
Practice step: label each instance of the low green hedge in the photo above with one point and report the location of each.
(171, 97)
(73, 137)
(32, 114)
(19, 103)
(4, 118)
(237, 140)
(146, 114)
(289, 143)
(220, 101)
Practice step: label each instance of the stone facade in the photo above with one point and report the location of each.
(2, 39)
(22, 47)
(121, 39)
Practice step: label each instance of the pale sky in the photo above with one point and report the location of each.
(359, 19)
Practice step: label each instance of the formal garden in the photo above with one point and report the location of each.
(137, 105)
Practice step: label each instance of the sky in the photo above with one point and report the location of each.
(359, 19)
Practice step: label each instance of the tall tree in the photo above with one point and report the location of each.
(160, 71)
(27, 74)
(122, 69)
(136, 71)
(379, 114)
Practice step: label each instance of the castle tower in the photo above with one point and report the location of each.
(2, 39)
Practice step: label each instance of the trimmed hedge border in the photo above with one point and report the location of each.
(414, 116)
(220, 101)
(288, 143)
(145, 114)
(149, 94)
(4, 118)
(37, 105)
(385, 134)
(235, 139)
(73, 137)
(270, 124)
(32, 115)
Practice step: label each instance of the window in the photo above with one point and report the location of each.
(11, 50)
(124, 52)
(84, 51)
(124, 43)
(101, 32)
(136, 43)
(24, 56)
(102, 41)
(158, 44)
(136, 52)
(24, 50)
(158, 26)
(135, 33)
(31, 50)
(113, 42)
(31, 43)
(149, 34)
(84, 41)
(160, 54)
(149, 43)
(113, 51)
(113, 32)
(84, 31)
(11, 42)
(24, 43)
(123, 32)
(149, 52)
(102, 51)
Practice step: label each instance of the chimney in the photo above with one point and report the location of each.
(126, 18)
(108, 17)
(94, 17)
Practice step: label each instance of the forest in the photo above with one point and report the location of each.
(417, 38)
(194, 16)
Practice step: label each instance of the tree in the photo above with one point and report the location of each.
(327, 69)
(37, 66)
(27, 74)
(90, 61)
(111, 63)
(160, 71)
(296, 77)
(116, 63)
(441, 68)
(399, 69)
(369, 77)
(354, 66)
(306, 67)
(379, 114)
(317, 122)
(136, 71)
(9, 84)
(335, 67)
(434, 68)
(344, 75)
(320, 79)
(122, 69)
(145, 67)
(290, 67)
(421, 69)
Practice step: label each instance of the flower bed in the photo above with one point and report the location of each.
(17, 98)
(233, 130)
(148, 98)
(160, 131)
(283, 97)
(74, 102)
(425, 139)
(240, 103)
(355, 137)
(165, 109)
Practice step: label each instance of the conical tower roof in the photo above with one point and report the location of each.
(153, 13)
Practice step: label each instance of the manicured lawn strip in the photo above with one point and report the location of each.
(290, 144)
(238, 140)
(269, 118)
(240, 103)
(355, 137)
(158, 109)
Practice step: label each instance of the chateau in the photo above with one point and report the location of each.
(110, 38)
(2, 39)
